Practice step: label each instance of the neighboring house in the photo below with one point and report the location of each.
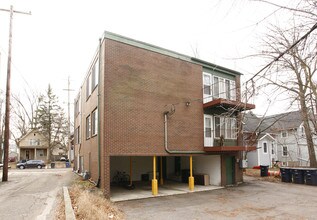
(157, 110)
(291, 140)
(58, 151)
(288, 133)
(33, 146)
(258, 133)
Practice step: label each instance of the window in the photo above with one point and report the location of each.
(216, 87)
(207, 84)
(227, 89)
(226, 127)
(273, 150)
(88, 127)
(77, 105)
(224, 88)
(302, 131)
(285, 151)
(94, 122)
(34, 142)
(231, 128)
(77, 135)
(233, 95)
(265, 147)
(207, 127)
(217, 127)
(95, 74)
(284, 134)
(41, 153)
(88, 86)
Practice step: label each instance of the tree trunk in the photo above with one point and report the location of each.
(308, 132)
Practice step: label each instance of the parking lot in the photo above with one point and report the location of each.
(254, 199)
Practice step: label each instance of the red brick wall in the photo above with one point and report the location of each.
(138, 86)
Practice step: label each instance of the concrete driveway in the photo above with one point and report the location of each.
(31, 193)
(255, 199)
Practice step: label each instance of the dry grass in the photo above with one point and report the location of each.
(60, 209)
(89, 203)
(257, 173)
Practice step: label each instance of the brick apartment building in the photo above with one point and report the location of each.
(155, 113)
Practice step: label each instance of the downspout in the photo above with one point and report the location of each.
(98, 102)
(166, 143)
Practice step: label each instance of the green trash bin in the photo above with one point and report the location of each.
(311, 176)
(52, 165)
(286, 174)
(298, 176)
(264, 170)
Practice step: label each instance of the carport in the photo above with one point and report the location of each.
(171, 174)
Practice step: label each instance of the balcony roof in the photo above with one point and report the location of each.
(238, 106)
(229, 148)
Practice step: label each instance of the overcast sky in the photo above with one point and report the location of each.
(60, 37)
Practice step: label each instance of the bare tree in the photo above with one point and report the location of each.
(1, 125)
(292, 52)
(23, 113)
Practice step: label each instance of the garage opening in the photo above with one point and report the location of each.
(131, 176)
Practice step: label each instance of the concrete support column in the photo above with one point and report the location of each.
(35, 154)
(154, 180)
(191, 181)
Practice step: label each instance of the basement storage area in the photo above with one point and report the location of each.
(172, 174)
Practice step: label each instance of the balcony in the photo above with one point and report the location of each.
(229, 148)
(228, 105)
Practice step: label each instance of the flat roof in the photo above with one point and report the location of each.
(151, 47)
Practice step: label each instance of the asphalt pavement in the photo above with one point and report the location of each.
(254, 199)
(31, 193)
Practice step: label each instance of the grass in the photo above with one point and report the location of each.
(257, 173)
(89, 203)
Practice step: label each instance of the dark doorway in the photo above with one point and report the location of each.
(177, 167)
(230, 170)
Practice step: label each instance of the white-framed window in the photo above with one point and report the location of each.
(216, 88)
(208, 129)
(264, 147)
(226, 127)
(207, 84)
(231, 128)
(273, 149)
(224, 88)
(233, 90)
(284, 134)
(88, 127)
(34, 142)
(94, 122)
(41, 153)
(285, 151)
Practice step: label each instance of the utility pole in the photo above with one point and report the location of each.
(68, 116)
(7, 103)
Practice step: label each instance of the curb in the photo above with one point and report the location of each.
(69, 212)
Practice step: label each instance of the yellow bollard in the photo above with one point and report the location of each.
(191, 181)
(154, 180)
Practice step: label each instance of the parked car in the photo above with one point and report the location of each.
(31, 164)
(1, 165)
